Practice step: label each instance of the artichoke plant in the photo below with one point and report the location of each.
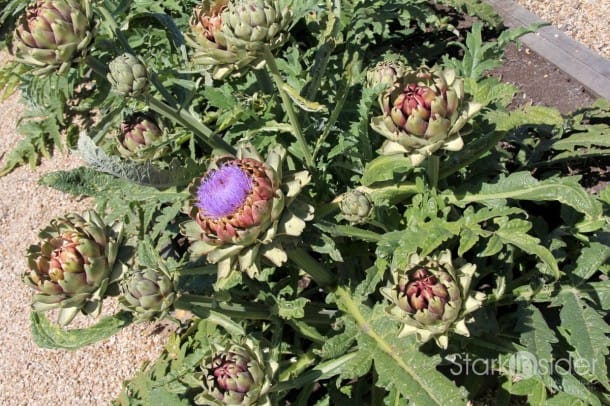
(147, 292)
(423, 112)
(52, 34)
(137, 138)
(432, 298)
(242, 208)
(128, 75)
(227, 36)
(73, 265)
(234, 371)
(356, 206)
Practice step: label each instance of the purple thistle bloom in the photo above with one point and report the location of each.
(222, 191)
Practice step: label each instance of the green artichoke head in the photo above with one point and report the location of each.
(138, 137)
(356, 206)
(147, 292)
(253, 24)
(431, 298)
(73, 265)
(423, 112)
(234, 371)
(128, 75)
(243, 207)
(52, 34)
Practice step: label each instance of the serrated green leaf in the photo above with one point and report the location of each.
(398, 362)
(590, 260)
(291, 309)
(523, 186)
(585, 329)
(385, 167)
(494, 245)
(49, 335)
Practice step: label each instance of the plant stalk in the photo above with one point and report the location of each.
(292, 116)
(320, 274)
(200, 305)
(432, 170)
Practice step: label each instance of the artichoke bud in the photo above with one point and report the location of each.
(128, 75)
(149, 293)
(385, 73)
(356, 206)
(429, 297)
(234, 371)
(252, 24)
(239, 210)
(72, 266)
(52, 34)
(138, 136)
(423, 112)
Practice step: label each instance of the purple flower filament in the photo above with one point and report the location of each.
(223, 191)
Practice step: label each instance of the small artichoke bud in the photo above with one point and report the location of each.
(234, 372)
(52, 34)
(149, 293)
(432, 298)
(128, 75)
(385, 73)
(356, 206)
(72, 265)
(239, 210)
(422, 113)
(137, 136)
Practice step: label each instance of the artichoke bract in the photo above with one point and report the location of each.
(149, 293)
(234, 371)
(137, 138)
(52, 34)
(242, 208)
(73, 265)
(356, 206)
(432, 298)
(227, 36)
(128, 75)
(423, 112)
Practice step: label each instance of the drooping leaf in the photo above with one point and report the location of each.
(49, 335)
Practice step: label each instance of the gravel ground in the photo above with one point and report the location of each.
(586, 21)
(93, 375)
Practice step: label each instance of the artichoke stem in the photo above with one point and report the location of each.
(432, 169)
(320, 274)
(199, 129)
(96, 65)
(292, 116)
(297, 367)
(201, 305)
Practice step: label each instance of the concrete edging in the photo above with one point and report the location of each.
(572, 57)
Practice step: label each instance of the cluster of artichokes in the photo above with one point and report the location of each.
(432, 297)
(73, 265)
(52, 34)
(229, 35)
(242, 208)
(423, 110)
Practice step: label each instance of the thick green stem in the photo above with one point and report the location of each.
(320, 274)
(295, 369)
(292, 116)
(432, 170)
(187, 120)
(201, 304)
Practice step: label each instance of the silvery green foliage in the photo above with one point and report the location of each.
(307, 257)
